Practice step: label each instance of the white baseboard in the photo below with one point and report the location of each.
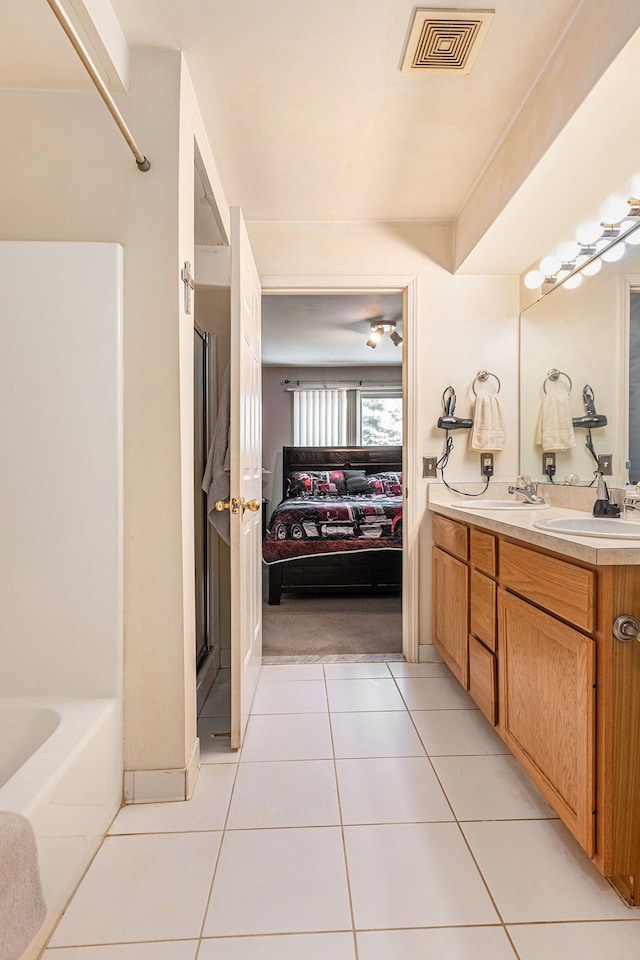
(428, 654)
(158, 786)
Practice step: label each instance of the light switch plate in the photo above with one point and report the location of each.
(605, 464)
(429, 468)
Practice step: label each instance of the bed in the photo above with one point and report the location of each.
(338, 526)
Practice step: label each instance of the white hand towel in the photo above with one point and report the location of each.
(22, 906)
(488, 431)
(555, 425)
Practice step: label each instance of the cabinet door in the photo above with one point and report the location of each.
(482, 679)
(482, 613)
(547, 700)
(451, 613)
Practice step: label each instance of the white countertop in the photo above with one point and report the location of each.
(517, 524)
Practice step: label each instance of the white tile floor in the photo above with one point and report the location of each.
(372, 814)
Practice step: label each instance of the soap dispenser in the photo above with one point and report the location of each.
(603, 507)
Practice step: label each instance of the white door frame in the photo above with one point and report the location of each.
(408, 286)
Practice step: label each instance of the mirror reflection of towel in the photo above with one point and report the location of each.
(216, 480)
(488, 431)
(555, 425)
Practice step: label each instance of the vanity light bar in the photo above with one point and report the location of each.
(561, 269)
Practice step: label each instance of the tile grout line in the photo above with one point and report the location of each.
(218, 855)
(462, 833)
(344, 844)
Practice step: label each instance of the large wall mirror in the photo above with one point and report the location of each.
(584, 343)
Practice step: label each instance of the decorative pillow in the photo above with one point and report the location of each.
(389, 483)
(325, 483)
(356, 481)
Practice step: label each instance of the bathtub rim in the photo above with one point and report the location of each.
(32, 783)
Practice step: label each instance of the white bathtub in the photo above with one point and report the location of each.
(61, 767)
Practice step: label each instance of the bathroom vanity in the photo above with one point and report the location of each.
(524, 620)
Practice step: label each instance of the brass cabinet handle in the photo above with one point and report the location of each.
(236, 505)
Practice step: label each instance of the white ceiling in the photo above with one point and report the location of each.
(328, 329)
(307, 110)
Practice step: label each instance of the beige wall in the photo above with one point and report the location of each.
(465, 324)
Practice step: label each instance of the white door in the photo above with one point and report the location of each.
(245, 448)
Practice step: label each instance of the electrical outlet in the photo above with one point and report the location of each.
(486, 464)
(548, 464)
(429, 468)
(605, 464)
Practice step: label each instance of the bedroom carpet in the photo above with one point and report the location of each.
(332, 624)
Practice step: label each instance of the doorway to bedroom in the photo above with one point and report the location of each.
(333, 416)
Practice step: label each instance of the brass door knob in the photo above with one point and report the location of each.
(236, 505)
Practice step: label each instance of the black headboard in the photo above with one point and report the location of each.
(369, 459)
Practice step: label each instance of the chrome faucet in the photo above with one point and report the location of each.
(527, 490)
(631, 504)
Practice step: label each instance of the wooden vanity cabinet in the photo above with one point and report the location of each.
(541, 661)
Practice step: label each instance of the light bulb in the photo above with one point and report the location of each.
(376, 335)
(550, 265)
(562, 274)
(633, 238)
(568, 250)
(614, 209)
(614, 253)
(588, 232)
(592, 268)
(535, 278)
(572, 282)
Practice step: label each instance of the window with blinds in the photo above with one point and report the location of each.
(327, 416)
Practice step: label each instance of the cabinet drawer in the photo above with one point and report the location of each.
(483, 679)
(451, 536)
(560, 587)
(483, 609)
(484, 552)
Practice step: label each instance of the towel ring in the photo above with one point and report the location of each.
(553, 376)
(483, 375)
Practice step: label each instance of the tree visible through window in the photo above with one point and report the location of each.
(380, 419)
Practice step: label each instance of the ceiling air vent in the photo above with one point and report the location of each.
(445, 41)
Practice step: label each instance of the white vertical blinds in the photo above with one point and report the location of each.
(320, 418)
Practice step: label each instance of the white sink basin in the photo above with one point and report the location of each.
(611, 527)
(497, 505)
